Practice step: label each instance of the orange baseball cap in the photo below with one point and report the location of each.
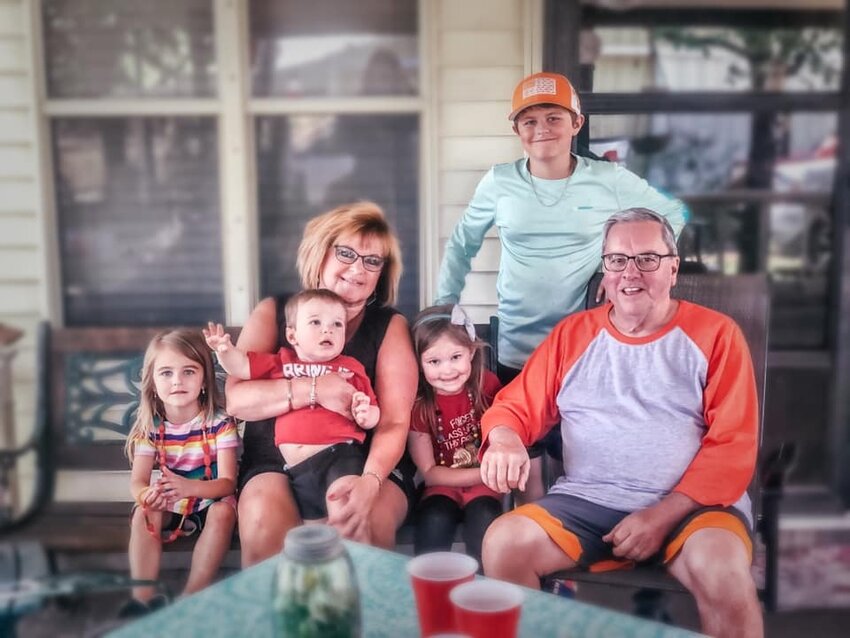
(544, 88)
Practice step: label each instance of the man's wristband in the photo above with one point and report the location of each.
(312, 393)
(376, 475)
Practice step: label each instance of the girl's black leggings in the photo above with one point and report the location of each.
(437, 518)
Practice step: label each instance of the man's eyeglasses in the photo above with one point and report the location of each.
(346, 255)
(645, 262)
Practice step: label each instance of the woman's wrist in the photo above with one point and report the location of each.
(374, 476)
(300, 390)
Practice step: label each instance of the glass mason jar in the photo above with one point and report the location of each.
(315, 590)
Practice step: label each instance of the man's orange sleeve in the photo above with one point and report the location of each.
(722, 469)
(528, 404)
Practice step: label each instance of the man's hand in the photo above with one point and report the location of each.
(640, 534)
(217, 339)
(505, 463)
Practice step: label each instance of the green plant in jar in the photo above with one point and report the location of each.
(315, 588)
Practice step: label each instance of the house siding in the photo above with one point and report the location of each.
(482, 51)
(477, 51)
(22, 249)
(21, 278)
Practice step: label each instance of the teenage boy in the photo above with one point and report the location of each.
(549, 207)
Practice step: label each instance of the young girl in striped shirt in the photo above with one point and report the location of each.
(181, 428)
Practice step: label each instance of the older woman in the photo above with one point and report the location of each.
(352, 251)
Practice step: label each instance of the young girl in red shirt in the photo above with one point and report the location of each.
(445, 433)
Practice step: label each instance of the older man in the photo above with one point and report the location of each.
(656, 401)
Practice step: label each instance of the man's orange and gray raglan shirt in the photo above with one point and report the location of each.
(642, 417)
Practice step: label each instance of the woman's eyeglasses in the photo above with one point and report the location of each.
(346, 255)
(645, 262)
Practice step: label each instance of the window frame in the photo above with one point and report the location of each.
(565, 19)
(234, 109)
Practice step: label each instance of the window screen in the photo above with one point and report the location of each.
(309, 164)
(127, 48)
(140, 235)
(713, 58)
(326, 47)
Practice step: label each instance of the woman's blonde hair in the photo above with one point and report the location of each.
(360, 218)
(191, 344)
(428, 326)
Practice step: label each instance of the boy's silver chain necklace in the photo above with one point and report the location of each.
(563, 190)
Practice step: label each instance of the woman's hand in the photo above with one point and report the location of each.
(175, 487)
(355, 496)
(334, 393)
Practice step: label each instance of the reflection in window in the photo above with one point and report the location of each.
(137, 200)
(797, 256)
(309, 164)
(634, 59)
(326, 47)
(688, 153)
(759, 188)
(127, 48)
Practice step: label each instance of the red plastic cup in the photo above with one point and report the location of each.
(433, 576)
(487, 608)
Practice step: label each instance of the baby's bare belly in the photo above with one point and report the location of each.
(294, 453)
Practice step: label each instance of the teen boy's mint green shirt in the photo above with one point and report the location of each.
(549, 253)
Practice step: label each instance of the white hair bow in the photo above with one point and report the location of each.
(460, 318)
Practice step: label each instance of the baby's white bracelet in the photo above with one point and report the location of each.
(289, 393)
(312, 393)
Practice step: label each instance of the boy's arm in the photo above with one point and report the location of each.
(465, 241)
(635, 192)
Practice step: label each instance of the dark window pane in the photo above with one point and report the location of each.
(309, 164)
(137, 200)
(759, 188)
(327, 47)
(127, 48)
(689, 153)
(635, 59)
(724, 234)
